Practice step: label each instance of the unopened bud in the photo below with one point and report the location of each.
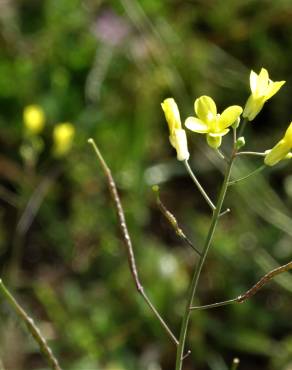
(240, 142)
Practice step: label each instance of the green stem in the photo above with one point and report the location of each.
(259, 169)
(259, 154)
(199, 186)
(201, 189)
(197, 272)
(214, 305)
(33, 329)
(220, 154)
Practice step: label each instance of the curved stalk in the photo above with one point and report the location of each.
(127, 240)
(197, 272)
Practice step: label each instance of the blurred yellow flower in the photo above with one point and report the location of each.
(209, 122)
(177, 137)
(63, 136)
(262, 89)
(281, 150)
(34, 119)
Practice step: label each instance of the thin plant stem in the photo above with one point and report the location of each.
(198, 269)
(31, 326)
(220, 154)
(199, 186)
(252, 291)
(201, 189)
(214, 305)
(259, 169)
(127, 240)
(258, 154)
(172, 220)
(234, 136)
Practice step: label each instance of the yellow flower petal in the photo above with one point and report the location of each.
(262, 89)
(253, 80)
(205, 108)
(196, 125)
(273, 88)
(172, 115)
(288, 135)
(277, 153)
(262, 83)
(281, 150)
(179, 141)
(229, 116)
(252, 107)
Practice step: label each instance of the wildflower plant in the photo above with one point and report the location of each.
(216, 127)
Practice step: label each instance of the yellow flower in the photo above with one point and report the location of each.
(262, 89)
(209, 122)
(177, 137)
(63, 136)
(281, 150)
(34, 119)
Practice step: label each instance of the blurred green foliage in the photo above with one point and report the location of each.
(105, 66)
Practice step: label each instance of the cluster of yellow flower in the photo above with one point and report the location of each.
(215, 126)
(63, 133)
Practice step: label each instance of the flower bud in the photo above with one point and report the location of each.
(240, 142)
(63, 137)
(34, 119)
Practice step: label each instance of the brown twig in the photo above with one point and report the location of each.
(33, 329)
(127, 239)
(252, 291)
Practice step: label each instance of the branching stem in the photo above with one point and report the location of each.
(252, 291)
(198, 269)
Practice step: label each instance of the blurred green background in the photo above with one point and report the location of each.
(105, 66)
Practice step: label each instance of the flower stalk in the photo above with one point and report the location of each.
(198, 269)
